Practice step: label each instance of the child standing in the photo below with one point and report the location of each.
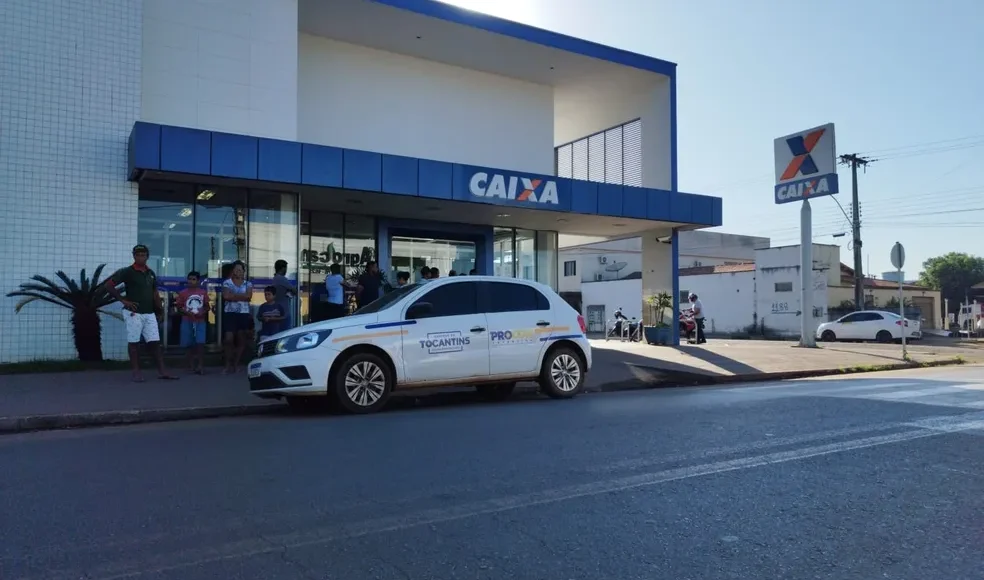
(193, 305)
(272, 316)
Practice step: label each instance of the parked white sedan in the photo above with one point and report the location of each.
(476, 330)
(875, 325)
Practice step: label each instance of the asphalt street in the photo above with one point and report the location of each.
(867, 477)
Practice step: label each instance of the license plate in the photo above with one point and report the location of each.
(254, 370)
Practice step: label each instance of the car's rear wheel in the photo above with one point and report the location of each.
(884, 336)
(828, 336)
(363, 383)
(496, 392)
(562, 374)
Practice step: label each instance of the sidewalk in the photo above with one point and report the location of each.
(61, 400)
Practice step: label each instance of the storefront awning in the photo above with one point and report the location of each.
(159, 150)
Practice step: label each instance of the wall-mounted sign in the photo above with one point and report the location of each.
(513, 187)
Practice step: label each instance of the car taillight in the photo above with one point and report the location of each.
(580, 322)
(900, 322)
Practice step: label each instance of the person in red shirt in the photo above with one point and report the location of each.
(193, 305)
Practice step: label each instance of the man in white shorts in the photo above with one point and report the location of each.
(142, 310)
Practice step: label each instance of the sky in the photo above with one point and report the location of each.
(902, 80)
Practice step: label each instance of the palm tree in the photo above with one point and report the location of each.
(86, 299)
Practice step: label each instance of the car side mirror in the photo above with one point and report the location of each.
(419, 310)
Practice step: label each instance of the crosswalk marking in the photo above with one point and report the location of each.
(963, 392)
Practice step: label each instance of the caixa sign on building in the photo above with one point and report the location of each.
(495, 186)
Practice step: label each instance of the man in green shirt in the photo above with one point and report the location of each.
(142, 310)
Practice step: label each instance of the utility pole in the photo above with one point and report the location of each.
(855, 160)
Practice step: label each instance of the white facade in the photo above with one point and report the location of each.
(602, 261)
(764, 297)
(226, 66)
(76, 76)
(410, 106)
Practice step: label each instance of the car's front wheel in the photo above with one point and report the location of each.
(828, 336)
(562, 374)
(363, 383)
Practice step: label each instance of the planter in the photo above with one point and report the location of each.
(661, 335)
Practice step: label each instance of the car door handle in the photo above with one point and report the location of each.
(543, 323)
(478, 329)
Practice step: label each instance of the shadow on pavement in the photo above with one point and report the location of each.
(719, 360)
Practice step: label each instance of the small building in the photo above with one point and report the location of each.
(763, 296)
(598, 277)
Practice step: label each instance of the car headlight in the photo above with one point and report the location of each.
(301, 341)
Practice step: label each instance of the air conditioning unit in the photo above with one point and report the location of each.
(600, 277)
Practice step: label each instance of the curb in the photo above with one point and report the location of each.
(32, 423)
(679, 379)
(28, 423)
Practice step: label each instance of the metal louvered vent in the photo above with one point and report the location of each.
(610, 156)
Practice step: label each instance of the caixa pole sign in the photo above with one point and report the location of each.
(806, 165)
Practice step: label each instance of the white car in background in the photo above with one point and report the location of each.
(877, 325)
(485, 331)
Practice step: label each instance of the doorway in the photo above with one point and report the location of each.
(410, 254)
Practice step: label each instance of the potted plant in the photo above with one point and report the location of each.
(658, 331)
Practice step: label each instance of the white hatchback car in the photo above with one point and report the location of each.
(878, 325)
(485, 331)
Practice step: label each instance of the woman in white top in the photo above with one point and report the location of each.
(237, 292)
(335, 285)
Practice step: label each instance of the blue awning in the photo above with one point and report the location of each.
(168, 149)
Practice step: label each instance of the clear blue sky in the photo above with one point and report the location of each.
(896, 77)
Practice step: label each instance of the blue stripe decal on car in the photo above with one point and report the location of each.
(561, 337)
(390, 324)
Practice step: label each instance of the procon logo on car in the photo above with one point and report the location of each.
(513, 188)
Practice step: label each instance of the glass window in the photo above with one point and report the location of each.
(458, 299)
(502, 254)
(570, 268)
(322, 244)
(272, 232)
(272, 237)
(784, 286)
(165, 222)
(851, 318)
(525, 267)
(360, 245)
(506, 297)
(220, 229)
(546, 258)
(387, 300)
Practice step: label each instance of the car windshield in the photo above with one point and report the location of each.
(387, 300)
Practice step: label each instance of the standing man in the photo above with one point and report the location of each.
(284, 291)
(369, 285)
(143, 310)
(698, 309)
(425, 274)
(402, 279)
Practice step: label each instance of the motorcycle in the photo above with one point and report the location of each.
(688, 326)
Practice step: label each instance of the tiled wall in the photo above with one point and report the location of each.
(69, 95)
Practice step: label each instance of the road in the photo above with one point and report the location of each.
(873, 476)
